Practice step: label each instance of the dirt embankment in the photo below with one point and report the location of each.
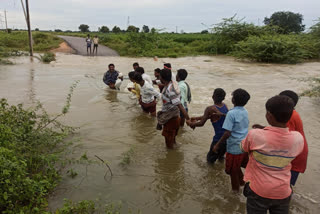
(63, 48)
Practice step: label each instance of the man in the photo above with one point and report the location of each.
(95, 44)
(135, 66)
(112, 78)
(185, 92)
(145, 76)
(88, 41)
(157, 80)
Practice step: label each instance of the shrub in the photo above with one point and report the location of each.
(48, 57)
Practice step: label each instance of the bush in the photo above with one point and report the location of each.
(269, 48)
(48, 57)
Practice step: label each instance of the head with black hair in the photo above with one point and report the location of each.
(111, 67)
(240, 97)
(138, 78)
(279, 110)
(140, 70)
(181, 75)
(165, 76)
(131, 76)
(135, 65)
(167, 66)
(218, 95)
(157, 73)
(293, 95)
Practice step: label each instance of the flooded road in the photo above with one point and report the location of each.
(147, 176)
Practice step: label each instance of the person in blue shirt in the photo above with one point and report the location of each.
(217, 122)
(236, 126)
(111, 76)
(185, 92)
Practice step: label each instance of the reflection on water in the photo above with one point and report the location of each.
(158, 180)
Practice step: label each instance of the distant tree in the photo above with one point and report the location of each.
(84, 28)
(37, 29)
(288, 21)
(145, 29)
(315, 29)
(153, 30)
(204, 32)
(57, 30)
(68, 31)
(116, 29)
(132, 28)
(104, 29)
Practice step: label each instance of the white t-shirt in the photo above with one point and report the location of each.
(147, 78)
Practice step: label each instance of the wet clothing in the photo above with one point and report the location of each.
(170, 131)
(110, 77)
(271, 151)
(170, 96)
(259, 205)
(149, 107)
(183, 93)
(218, 130)
(299, 164)
(237, 123)
(136, 90)
(294, 177)
(148, 93)
(233, 168)
(219, 155)
(147, 78)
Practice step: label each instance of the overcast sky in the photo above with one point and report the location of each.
(186, 15)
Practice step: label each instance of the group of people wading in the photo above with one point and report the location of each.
(272, 155)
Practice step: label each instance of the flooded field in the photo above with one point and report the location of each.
(147, 176)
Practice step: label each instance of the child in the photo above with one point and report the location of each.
(299, 164)
(147, 95)
(185, 92)
(89, 42)
(217, 122)
(136, 88)
(236, 129)
(271, 150)
(168, 117)
(145, 76)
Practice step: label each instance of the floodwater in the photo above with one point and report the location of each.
(152, 179)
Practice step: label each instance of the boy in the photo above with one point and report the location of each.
(135, 66)
(95, 44)
(217, 122)
(147, 95)
(157, 80)
(168, 117)
(136, 88)
(299, 164)
(185, 92)
(112, 78)
(145, 76)
(89, 42)
(236, 129)
(271, 150)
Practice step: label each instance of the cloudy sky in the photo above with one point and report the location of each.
(186, 15)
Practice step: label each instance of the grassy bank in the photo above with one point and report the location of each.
(16, 43)
(231, 37)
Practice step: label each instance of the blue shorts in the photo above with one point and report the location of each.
(294, 177)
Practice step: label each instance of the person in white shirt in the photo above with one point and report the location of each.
(145, 76)
(147, 95)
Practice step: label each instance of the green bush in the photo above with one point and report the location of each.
(48, 57)
(269, 48)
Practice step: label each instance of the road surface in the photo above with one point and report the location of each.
(80, 46)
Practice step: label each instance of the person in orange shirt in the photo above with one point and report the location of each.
(299, 164)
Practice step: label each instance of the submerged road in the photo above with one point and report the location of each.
(80, 46)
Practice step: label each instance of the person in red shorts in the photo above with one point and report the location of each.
(299, 164)
(271, 151)
(169, 116)
(147, 95)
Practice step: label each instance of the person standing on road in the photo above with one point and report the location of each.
(89, 42)
(95, 44)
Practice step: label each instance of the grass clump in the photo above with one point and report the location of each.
(48, 57)
(315, 88)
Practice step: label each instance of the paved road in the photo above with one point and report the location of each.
(80, 46)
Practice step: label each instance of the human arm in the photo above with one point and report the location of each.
(184, 112)
(224, 137)
(200, 121)
(228, 127)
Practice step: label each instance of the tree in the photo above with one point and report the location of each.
(37, 29)
(315, 29)
(84, 28)
(288, 21)
(116, 29)
(57, 30)
(132, 28)
(153, 30)
(204, 32)
(145, 29)
(104, 29)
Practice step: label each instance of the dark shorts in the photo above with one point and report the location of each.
(181, 115)
(294, 177)
(259, 205)
(95, 45)
(171, 128)
(88, 46)
(149, 107)
(212, 156)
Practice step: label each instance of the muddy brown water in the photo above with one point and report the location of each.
(113, 127)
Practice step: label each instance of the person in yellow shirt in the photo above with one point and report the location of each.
(136, 87)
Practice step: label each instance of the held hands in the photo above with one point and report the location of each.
(190, 123)
(215, 148)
